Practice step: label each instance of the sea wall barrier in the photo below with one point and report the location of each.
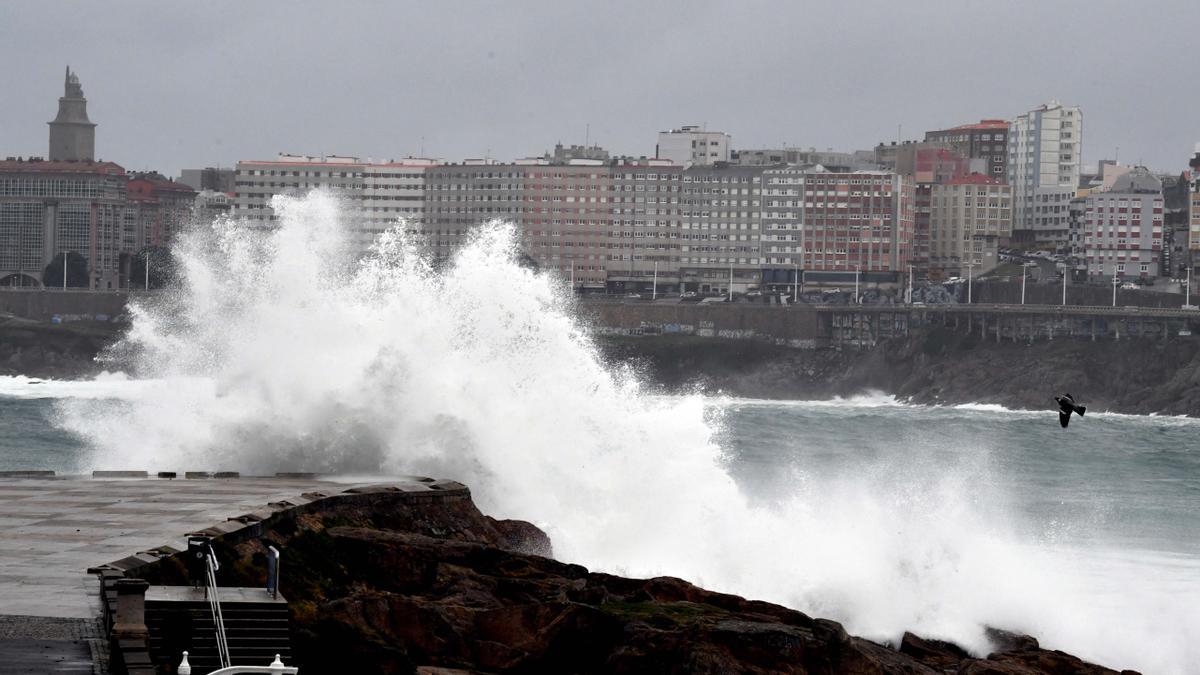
(81, 305)
(815, 326)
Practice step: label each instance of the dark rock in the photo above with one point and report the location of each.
(933, 653)
(437, 585)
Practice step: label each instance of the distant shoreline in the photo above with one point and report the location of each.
(930, 367)
(933, 366)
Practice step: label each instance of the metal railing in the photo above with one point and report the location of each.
(214, 602)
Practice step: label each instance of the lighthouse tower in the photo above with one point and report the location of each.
(72, 135)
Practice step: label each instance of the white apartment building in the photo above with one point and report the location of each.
(1123, 228)
(692, 146)
(377, 194)
(1044, 154)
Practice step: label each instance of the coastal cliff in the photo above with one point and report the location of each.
(48, 350)
(933, 366)
(391, 585)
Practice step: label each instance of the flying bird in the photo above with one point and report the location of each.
(1066, 405)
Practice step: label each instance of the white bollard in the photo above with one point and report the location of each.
(276, 665)
(184, 668)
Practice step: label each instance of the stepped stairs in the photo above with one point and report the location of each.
(179, 618)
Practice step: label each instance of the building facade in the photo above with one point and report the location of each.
(623, 226)
(210, 178)
(51, 208)
(987, 141)
(1045, 149)
(693, 146)
(969, 217)
(1194, 208)
(157, 210)
(1124, 228)
(721, 228)
(928, 164)
(377, 195)
(835, 225)
(72, 134)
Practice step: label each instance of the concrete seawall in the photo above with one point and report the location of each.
(795, 326)
(70, 305)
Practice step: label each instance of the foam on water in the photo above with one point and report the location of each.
(276, 354)
(104, 386)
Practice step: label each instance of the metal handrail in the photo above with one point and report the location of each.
(214, 602)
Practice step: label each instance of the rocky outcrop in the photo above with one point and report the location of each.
(61, 351)
(436, 587)
(933, 366)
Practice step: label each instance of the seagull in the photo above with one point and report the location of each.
(1066, 405)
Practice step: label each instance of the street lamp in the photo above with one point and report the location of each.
(969, 267)
(146, 255)
(1116, 281)
(857, 271)
(1024, 276)
(1187, 294)
(795, 283)
(910, 283)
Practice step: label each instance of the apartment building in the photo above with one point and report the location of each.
(831, 223)
(377, 194)
(693, 146)
(458, 197)
(157, 210)
(1124, 228)
(721, 231)
(566, 219)
(48, 208)
(928, 164)
(783, 224)
(624, 226)
(1194, 207)
(1045, 149)
(969, 217)
(986, 140)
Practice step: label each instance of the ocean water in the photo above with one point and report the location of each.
(278, 354)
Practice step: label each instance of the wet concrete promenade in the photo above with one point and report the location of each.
(53, 529)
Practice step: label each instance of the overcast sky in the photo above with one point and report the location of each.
(184, 85)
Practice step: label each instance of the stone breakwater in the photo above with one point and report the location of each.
(386, 580)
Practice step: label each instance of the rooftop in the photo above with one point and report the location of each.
(39, 165)
(975, 179)
(982, 124)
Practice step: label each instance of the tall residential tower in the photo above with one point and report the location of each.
(1044, 150)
